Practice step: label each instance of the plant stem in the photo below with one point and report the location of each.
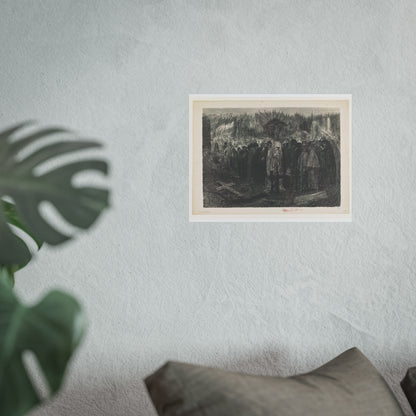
(7, 275)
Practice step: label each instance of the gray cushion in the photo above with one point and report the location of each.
(349, 385)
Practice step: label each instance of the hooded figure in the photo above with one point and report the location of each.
(309, 168)
(274, 168)
(312, 165)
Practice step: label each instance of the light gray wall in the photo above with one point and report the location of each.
(264, 298)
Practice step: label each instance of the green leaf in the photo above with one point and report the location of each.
(80, 206)
(51, 329)
(12, 218)
(13, 251)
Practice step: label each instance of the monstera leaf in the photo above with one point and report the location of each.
(13, 219)
(21, 182)
(52, 329)
(11, 216)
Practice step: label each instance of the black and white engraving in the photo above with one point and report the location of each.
(271, 157)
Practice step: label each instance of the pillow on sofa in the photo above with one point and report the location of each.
(349, 385)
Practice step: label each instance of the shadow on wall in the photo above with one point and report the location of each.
(104, 398)
(111, 395)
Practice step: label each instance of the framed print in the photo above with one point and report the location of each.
(270, 157)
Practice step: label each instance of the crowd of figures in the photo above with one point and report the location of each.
(277, 165)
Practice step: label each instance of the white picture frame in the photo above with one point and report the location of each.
(234, 199)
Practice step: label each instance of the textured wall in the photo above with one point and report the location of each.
(265, 298)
